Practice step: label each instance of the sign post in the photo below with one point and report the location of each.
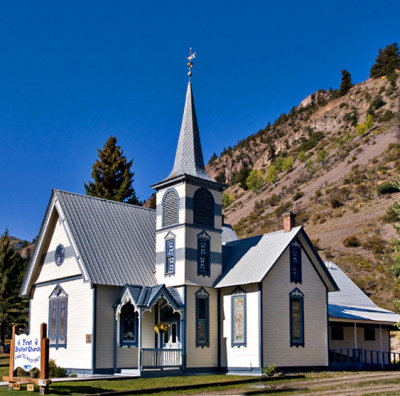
(29, 352)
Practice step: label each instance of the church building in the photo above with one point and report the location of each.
(127, 289)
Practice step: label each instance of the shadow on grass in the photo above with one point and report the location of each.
(77, 390)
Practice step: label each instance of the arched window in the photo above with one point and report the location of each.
(296, 298)
(295, 262)
(170, 208)
(128, 326)
(58, 303)
(202, 318)
(203, 208)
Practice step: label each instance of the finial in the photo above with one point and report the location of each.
(190, 63)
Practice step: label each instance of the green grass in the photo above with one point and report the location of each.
(4, 361)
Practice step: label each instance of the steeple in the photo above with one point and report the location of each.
(189, 156)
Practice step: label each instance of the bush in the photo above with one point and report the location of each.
(255, 180)
(303, 157)
(351, 241)
(227, 199)
(363, 127)
(270, 370)
(287, 164)
(376, 244)
(386, 188)
(387, 116)
(390, 216)
(310, 143)
(297, 195)
(56, 371)
(322, 156)
(241, 177)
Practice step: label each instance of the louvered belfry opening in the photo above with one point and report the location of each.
(203, 208)
(170, 208)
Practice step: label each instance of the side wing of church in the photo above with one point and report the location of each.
(125, 289)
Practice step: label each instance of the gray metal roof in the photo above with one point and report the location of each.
(352, 303)
(189, 156)
(228, 234)
(249, 260)
(146, 297)
(116, 241)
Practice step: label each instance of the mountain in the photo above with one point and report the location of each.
(330, 160)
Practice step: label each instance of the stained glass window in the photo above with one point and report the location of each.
(203, 255)
(202, 318)
(58, 304)
(128, 325)
(170, 256)
(239, 318)
(296, 318)
(295, 263)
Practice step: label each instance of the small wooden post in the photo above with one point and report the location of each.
(12, 357)
(44, 357)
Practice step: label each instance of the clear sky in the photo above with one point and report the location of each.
(74, 72)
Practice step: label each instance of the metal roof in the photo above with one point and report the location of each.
(228, 234)
(352, 303)
(116, 241)
(249, 260)
(189, 156)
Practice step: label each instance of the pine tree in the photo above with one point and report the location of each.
(112, 176)
(387, 61)
(346, 83)
(13, 308)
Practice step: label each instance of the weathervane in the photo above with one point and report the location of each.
(190, 63)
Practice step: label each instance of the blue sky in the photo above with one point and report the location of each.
(74, 72)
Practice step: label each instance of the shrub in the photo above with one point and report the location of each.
(303, 157)
(56, 371)
(241, 177)
(297, 195)
(314, 139)
(390, 216)
(270, 370)
(273, 200)
(376, 244)
(351, 241)
(322, 156)
(221, 177)
(387, 116)
(227, 199)
(363, 127)
(287, 164)
(386, 188)
(255, 180)
(272, 174)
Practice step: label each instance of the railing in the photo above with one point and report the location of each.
(159, 358)
(361, 357)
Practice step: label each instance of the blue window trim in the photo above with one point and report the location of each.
(202, 294)
(296, 294)
(56, 295)
(212, 208)
(170, 256)
(59, 255)
(203, 237)
(177, 207)
(295, 262)
(128, 343)
(238, 292)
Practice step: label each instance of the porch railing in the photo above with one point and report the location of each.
(363, 358)
(156, 358)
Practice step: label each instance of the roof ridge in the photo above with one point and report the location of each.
(103, 199)
(261, 235)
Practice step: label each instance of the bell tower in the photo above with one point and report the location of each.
(189, 211)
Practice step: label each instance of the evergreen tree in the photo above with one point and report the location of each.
(346, 83)
(112, 175)
(387, 61)
(13, 308)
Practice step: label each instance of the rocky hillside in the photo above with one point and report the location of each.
(331, 161)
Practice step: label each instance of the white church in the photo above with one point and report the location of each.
(105, 275)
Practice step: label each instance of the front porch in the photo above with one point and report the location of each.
(149, 328)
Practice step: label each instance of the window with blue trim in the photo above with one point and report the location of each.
(203, 208)
(58, 304)
(295, 262)
(203, 254)
(170, 256)
(202, 318)
(128, 326)
(238, 317)
(296, 318)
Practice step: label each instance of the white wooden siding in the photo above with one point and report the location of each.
(349, 339)
(248, 356)
(78, 354)
(276, 321)
(207, 356)
(106, 296)
(148, 333)
(50, 270)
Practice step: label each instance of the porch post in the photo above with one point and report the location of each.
(355, 335)
(380, 341)
(140, 341)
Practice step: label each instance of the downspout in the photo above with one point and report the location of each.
(94, 329)
(219, 330)
(260, 326)
(140, 341)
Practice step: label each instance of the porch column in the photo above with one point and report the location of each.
(380, 341)
(140, 341)
(355, 335)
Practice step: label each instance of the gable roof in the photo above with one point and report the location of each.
(351, 303)
(249, 260)
(114, 241)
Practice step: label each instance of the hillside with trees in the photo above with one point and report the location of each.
(331, 160)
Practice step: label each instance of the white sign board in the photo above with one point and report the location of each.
(27, 351)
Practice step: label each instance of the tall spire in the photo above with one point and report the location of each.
(189, 156)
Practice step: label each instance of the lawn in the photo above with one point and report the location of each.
(4, 359)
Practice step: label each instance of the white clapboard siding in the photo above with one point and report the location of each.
(207, 356)
(148, 333)
(50, 270)
(349, 339)
(276, 321)
(78, 353)
(106, 297)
